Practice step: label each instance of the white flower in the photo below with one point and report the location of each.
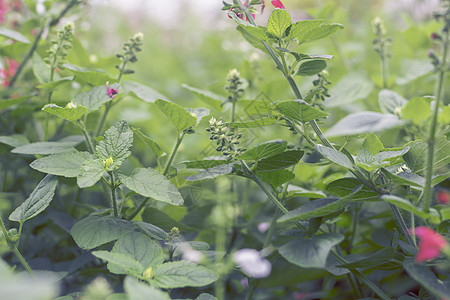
(262, 227)
(251, 263)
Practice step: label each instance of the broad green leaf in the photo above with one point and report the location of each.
(279, 161)
(300, 28)
(38, 200)
(53, 84)
(316, 208)
(254, 123)
(67, 164)
(335, 156)
(142, 92)
(94, 231)
(13, 35)
(95, 98)
(366, 160)
(161, 219)
(120, 262)
(349, 89)
(214, 100)
(180, 274)
(296, 191)
(423, 275)
(372, 144)
(363, 122)
(137, 290)
(45, 148)
(138, 247)
(206, 163)
(152, 231)
(300, 111)
(212, 172)
(417, 110)
(344, 186)
(264, 150)
(279, 21)
(150, 183)
(390, 156)
(276, 178)
(310, 253)
(406, 205)
(205, 296)
(372, 260)
(412, 69)
(150, 143)
(14, 140)
(311, 67)
(257, 32)
(116, 145)
(323, 31)
(389, 101)
(91, 172)
(251, 39)
(199, 113)
(179, 116)
(443, 118)
(40, 69)
(416, 156)
(6, 103)
(405, 178)
(71, 114)
(93, 77)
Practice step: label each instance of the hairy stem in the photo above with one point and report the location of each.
(172, 155)
(113, 193)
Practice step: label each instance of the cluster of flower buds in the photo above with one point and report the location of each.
(237, 8)
(321, 85)
(234, 86)
(227, 141)
(59, 46)
(381, 41)
(130, 50)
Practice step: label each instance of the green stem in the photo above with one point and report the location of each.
(401, 223)
(439, 94)
(14, 249)
(384, 68)
(86, 137)
(20, 235)
(113, 193)
(138, 209)
(174, 151)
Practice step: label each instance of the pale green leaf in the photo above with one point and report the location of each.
(264, 150)
(120, 262)
(180, 274)
(311, 67)
(321, 32)
(279, 21)
(93, 77)
(13, 35)
(71, 114)
(142, 92)
(137, 290)
(300, 28)
(417, 110)
(214, 100)
(349, 89)
(14, 140)
(279, 161)
(116, 144)
(67, 164)
(372, 144)
(300, 111)
(179, 116)
(45, 148)
(335, 156)
(95, 98)
(389, 101)
(149, 142)
(91, 172)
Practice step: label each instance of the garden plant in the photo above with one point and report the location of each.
(315, 167)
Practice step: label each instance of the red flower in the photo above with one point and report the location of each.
(278, 4)
(443, 197)
(4, 7)
(431, 243)
(110, 91)
(9, 71)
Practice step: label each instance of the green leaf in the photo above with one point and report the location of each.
(38, 200)
(71, 114)
(405, 178)
(93, 77)
(53, 84)
(6, 103)
(372, 144)
(366, 160)
(279, 161)
(276, 178)
(254, 123)
(180, 274)
(199, 113)
(311, 67)
(91, 172)
(296, 191)
(149, 142)
(412, 69)
(444, 115)
(389, 101)
(417, 110)
(300, 111)
(67, 164)
(95, 98)
(373, 260)
(14, 140)
(345, 186)
(212, 172)
(13, 35)
(251, 39)
(116, 145)
(149, 183)
(279, 21)
(94, 231)
(40, 69)
(310, 253)
(45, 148)
(137, 290)
(257, 32)
(214, 100)
(264, 150)
(142, 92)
(390, 156)
(152, 231)
(349, 89)
(206, 163)
(335, 156)
(405, 205)
(120, 262)
(416, 156)
(363, 122)
(205, 296)
(300, 28)
(179, 116)
(137, 247)
(319, 33)
(423, 275)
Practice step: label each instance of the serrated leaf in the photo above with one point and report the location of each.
(366, 160)
(415, 157)
(38, 200)
(264, 150)
(95, 98)
(91, 172)
(323, 31)
(13, 35)
(149, 183)
(71, 114)
(310, 253)
(300, 28)
(180, 274)
(254, 123)
(299, 110)
(279, 161)
(212, 172)
(335, 156)
(116, 145)
(179, 116)
(120, 262)
(149, 142)
(214, 100)
(257, 32)
(67, 164)
(345, 186)
(45, 148)
(417, 110)
(94, 231)
(276, 178)
(372, 144)
(143, 92)
(279, 21)
(311, 67)
(349, 89)
(389, 101)
(137, 290)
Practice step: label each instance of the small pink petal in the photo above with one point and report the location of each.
(278, 4)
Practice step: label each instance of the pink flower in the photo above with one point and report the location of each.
(110, 91)
(251, 263)
(4, 8)
(431, 244)
(262, 227)
(11, 66)
(443, 197)
(278, 4)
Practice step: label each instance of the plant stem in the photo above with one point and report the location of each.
(439, 94)
(174, 151)
(14, 249)
(138, 209)
(38, 37)
(113, 193)
(86, 137)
